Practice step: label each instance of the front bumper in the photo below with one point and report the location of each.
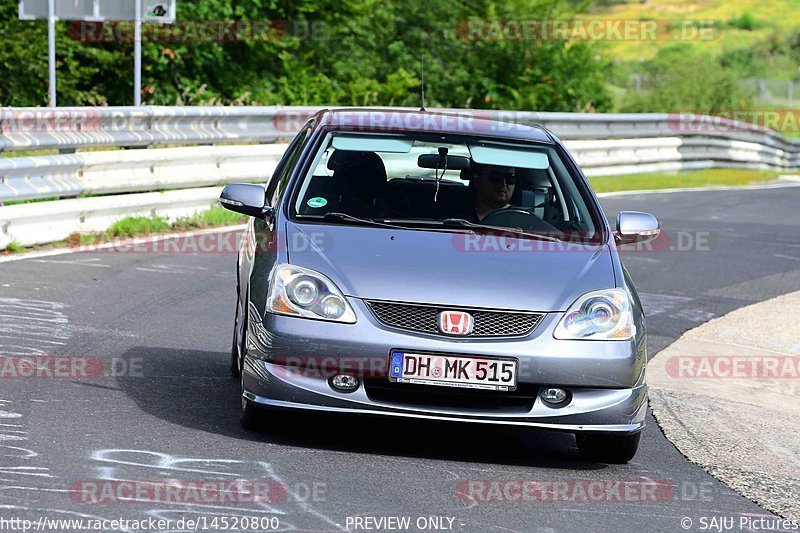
(605, 379)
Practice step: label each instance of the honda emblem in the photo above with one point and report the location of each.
(455, 323)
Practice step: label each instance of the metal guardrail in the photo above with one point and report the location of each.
(123, 171)
(604, 144)
(35, 128)
(46, 222)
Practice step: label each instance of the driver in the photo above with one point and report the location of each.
(493, 186)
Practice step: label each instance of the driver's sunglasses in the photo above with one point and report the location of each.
(497, 176)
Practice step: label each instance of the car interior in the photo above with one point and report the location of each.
(357, 184)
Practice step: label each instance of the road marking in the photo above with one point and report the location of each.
(17, 435)
(109, 245)
(171, 269)
(303, 505)
(164, 461)
(89, 262)
(784, 256)
(36, 471)
(128, 464)
(694, 315)
(28, 453)
(31, 327)
(42, 489)
(655, 304)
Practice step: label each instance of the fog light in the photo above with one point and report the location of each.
(344, 382)
(554, 396)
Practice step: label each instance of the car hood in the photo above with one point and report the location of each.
(448, 268)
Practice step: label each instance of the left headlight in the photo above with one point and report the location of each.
(298, 291)
(598, 315)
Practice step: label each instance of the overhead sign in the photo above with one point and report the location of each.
(137, 11)
(162, 11)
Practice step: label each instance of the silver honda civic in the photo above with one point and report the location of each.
(439, 266)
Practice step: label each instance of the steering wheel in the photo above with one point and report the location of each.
(514, 217)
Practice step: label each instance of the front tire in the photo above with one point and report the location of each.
(235, 352)
(249, 416)
(614, 449)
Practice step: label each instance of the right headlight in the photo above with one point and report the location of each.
(598, 315)
(299, 291)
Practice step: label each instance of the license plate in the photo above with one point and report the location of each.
(453, 371)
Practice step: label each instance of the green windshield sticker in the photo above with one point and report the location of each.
(317, 201)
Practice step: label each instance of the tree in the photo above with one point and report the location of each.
(327, 52)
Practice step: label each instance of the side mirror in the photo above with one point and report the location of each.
(635, 226)
(245, 198)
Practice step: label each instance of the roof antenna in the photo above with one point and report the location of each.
(422, 73)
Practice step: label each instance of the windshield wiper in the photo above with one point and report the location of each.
(425, 221)
(386, 223)
(335, 215)
(464, 223)
(410, 224)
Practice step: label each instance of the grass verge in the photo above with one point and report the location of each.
(141, 225)
(134, 226)
(695, 178)
(219, 217)
(13, 248)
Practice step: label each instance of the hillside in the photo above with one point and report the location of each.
(739, 23)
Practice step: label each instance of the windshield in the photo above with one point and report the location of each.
(417, 180)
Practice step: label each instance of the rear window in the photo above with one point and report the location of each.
(408, 178)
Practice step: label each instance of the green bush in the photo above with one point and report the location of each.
(683, 77)
(13, 248)
(130, 226)
(334, 52)
(746, 21)
(214, 217)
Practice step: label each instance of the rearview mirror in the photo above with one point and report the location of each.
(635, 227)
(245, 198)
(454, 162)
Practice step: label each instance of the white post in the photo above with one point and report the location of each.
(137, 55)
(51, 49)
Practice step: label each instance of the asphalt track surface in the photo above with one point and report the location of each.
(177, 418)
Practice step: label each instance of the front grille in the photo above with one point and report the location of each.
(520, 400)
(418, 317)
